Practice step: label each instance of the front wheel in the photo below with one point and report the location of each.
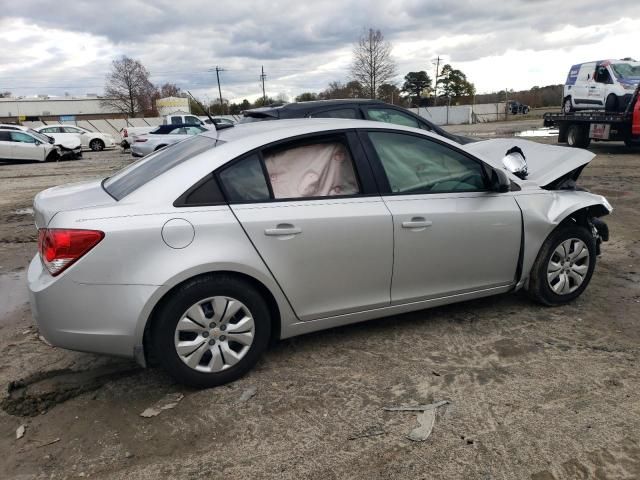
(566, 106)
(611, 104)
(564, 266)
(211, 331)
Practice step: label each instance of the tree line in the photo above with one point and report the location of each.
(129, 90)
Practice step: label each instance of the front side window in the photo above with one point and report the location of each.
(390, 115)
(192, 120)
(194, 130)
(176, 120)
(49, 130)
(22, 137)
(418, 165)
(311, 170)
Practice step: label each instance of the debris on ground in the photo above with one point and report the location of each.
(50, 442)
(20, 432)
(169, 401)
(426, 418)
(248, 394)
(372, 431)
(44, 340)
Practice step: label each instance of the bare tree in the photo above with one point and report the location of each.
(128, 89)
(170, 90)
(372, 63)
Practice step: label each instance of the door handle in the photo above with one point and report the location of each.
(284, 229)
(417, 222)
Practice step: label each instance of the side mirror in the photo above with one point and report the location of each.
(515, 162)
(499, 181)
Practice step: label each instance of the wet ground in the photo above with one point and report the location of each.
(535, 393)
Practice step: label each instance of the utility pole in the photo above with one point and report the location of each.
(435, 88)
(218, 70)
(262, 78)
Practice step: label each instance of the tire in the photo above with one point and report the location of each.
(566, 105)
(216, 358)
(525, 110)
(96, 145)
(551, 291)
(52, 157)
(577, 136)
(611, 104)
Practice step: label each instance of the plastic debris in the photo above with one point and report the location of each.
(170, 400)
(248, 394)
(20, 431)
(426, 419)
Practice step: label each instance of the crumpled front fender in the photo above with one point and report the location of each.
(542, 213)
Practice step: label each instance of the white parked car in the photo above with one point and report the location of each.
(66, 147)
(19, 144)
(96, 141)
(605, 84)
(161, 137)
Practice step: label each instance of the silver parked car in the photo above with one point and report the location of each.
(198, 255)
(161, 137)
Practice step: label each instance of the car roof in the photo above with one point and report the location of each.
(314, 104)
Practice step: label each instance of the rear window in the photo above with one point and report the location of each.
(137, 174)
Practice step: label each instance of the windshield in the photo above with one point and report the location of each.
(40, 136)
(626, 70)
(137, 174)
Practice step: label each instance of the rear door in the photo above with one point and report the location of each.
(310, 207)
(451, 235)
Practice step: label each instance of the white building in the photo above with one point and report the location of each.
(52, 106)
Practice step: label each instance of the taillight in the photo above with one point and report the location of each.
(60, 247)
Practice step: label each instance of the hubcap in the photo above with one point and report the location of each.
(214, 334)
(567, 106)
(568, 266)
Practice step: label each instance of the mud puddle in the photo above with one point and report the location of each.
(13, 292)
(40, 392)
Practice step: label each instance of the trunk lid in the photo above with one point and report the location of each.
(72, 196)
(546, 163)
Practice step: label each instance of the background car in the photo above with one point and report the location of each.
(514, 107)
(20, 145)
(68, 147)
(375, 110)
(230, 239)
(95, 141)
(163, 136)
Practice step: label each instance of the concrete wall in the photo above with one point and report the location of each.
(12, 107)
(463, 114)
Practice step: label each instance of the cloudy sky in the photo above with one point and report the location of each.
(67, 46)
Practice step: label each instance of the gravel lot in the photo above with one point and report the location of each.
(535, 393)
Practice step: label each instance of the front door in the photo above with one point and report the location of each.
(26, 147)
(451, 235)
(320, 229)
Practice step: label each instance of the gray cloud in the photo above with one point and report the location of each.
(181, 41)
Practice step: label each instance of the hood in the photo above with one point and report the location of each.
(72, 196)
(545, 163)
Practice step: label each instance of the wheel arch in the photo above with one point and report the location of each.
(146, 357)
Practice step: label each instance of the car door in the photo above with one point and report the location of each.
(310, 207)
(6, 145)
(76, 132)
(582, 88)
(26, 147)
(451, 235)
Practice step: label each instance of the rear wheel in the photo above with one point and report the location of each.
(211, 331)
(96, 145)
(578, 136)
(566, 105)
(564, 266)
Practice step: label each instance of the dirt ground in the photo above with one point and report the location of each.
(535, 393)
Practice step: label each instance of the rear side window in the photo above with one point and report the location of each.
(337, 113)
(389, 115)
(319, 169)
(244, 181)
(137, 174)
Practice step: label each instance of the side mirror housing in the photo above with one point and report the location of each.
(500, 181)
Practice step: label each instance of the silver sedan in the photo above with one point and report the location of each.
(161, 137)
(199, 255)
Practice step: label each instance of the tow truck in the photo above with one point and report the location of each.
(577, 129)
